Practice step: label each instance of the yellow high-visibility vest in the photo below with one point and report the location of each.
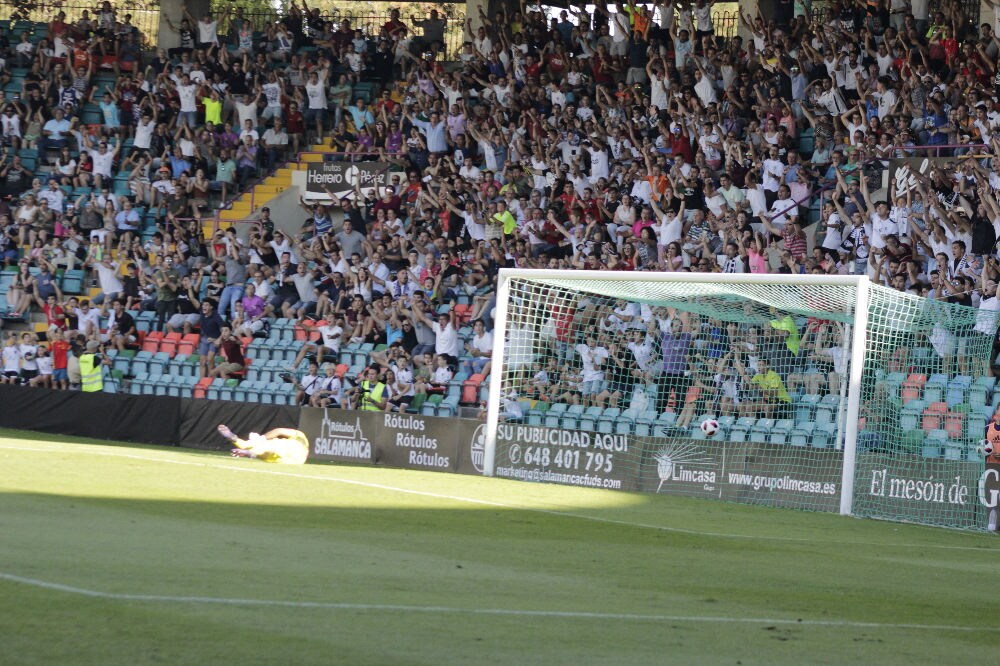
(371, 396)
(90, 373)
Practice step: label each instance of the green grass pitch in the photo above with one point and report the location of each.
(112, 554)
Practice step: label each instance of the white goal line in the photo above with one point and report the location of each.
(401, 608)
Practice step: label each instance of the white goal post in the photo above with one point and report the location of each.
(649, 288)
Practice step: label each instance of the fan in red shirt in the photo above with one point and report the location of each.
(54, 314)
(532, 68)
(295, 124)
(60, 359)
(568, 196)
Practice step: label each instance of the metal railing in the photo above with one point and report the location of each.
(726, 24)
(145, 15)
(369, 17)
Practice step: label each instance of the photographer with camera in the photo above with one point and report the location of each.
(369, 395)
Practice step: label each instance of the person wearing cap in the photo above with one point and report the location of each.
(91, 364)
(265, 222)
(329, 389)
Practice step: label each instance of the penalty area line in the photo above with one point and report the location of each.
(217, 464)
(402, 608)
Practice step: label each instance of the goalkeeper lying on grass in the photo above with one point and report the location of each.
(281, 445)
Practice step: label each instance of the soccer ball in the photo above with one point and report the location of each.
(709, 427)
(988, 447)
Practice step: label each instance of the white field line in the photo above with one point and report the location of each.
(400, 608)
(111, 452)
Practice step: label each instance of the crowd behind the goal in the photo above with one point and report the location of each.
(630, 139)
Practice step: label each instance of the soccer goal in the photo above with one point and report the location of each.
(824, 393)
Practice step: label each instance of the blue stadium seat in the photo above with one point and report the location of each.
(449, 406)
(645, 422)
(570, 420)
(957, 388)
(606, 422)
(827, 409)
(588, 420)
(740, 432)
(910, 416)
(141, 362)
(823, 436)
(934, 444)
(159, 364)
(664, 424)
(935, 388)
(800, 435)
(781, 431)
(761, 430)
(981, 391)
(805, 407)
(214, 388)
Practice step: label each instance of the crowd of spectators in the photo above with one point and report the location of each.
(633, 138)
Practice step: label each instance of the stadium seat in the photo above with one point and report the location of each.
(911, 415)
(981, 391)
(975, 423)
(161, 384)
(588, 420)
(159, 364)
(823, 435)
(954, 450)
(933, 416)
(892, 383)
(625, 423)
(201, 388)
(448, 407)
(827, 409)
(935, 388)
(954, 424)
(800, 435)
(214, 388)
(140, 363)
(781, 431)
(417, 404)
(170, 343)
(913, 387)
(606, 422)
(645, 422)
(740, 432)
(570, 420)
(123, 362)
(934, 444)
(138, 380)
(226, 391)
(957, 389)
(664, 424)
(761, 430)
(805, 407)
(72, 281)
(430, 405)
(470, 389)
(536, 415)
